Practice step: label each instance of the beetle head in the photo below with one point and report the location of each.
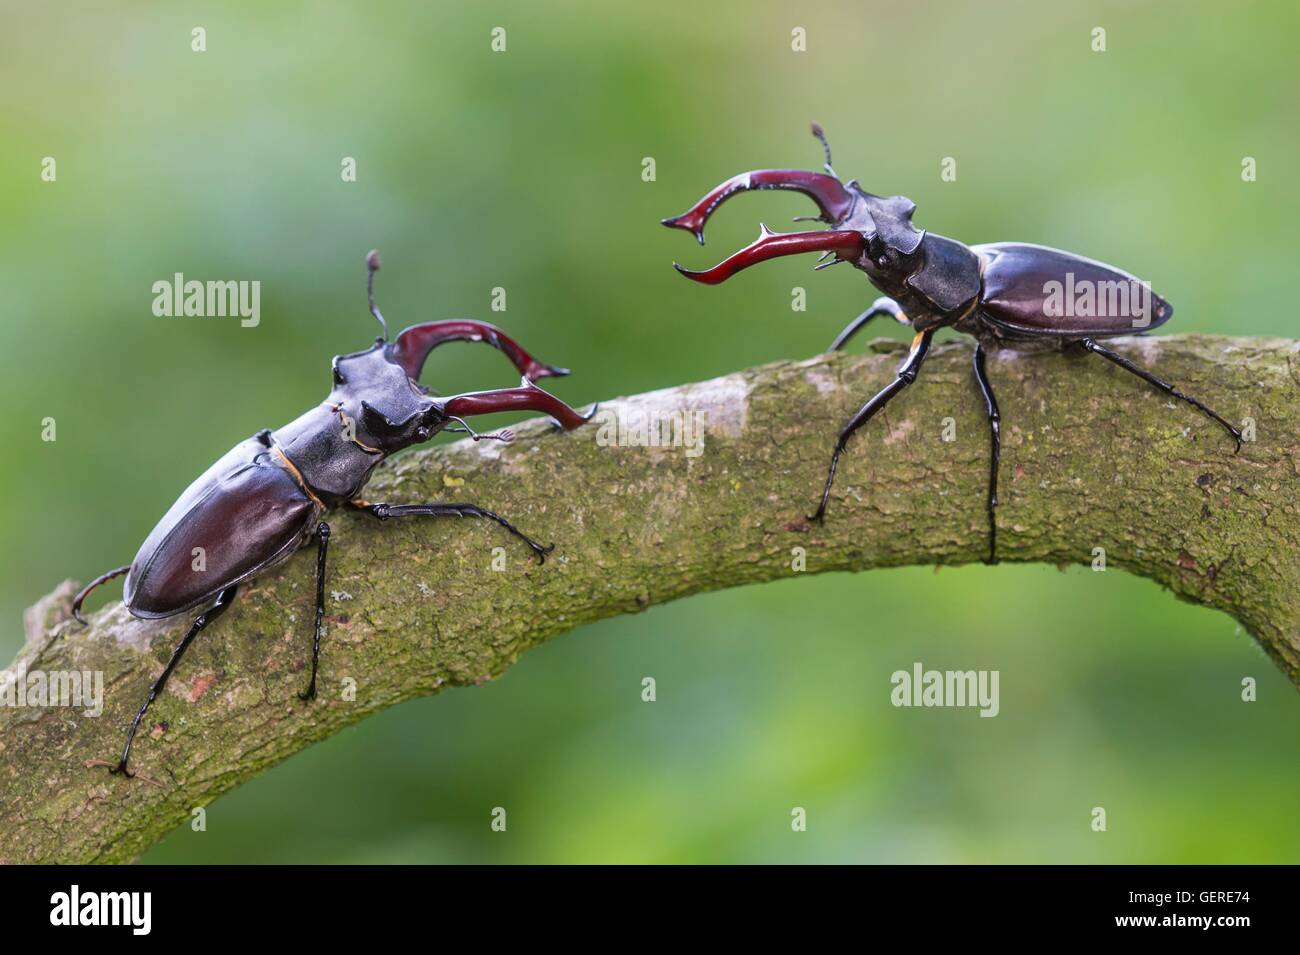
(384, 408)
(875, 233)
(380, 404)
(393, 434)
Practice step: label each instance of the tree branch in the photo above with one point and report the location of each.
(1092, 458)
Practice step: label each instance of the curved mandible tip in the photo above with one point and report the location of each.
(413, 345)
(844, 243)
(527, 397)
(834, 201)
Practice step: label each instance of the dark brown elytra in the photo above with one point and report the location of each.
(266, 497)
(1004, 294)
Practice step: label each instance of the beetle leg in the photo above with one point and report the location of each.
(527, 397)
(323, 543)
(831, 197)
(202, 620)
(846, 243)
(385, 511)
(995, 436)
(881, 306)
(85, 591)
(413, 345)
(906, 375)
(1160, 383)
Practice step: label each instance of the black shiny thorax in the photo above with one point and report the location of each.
(373, 410)
(936, 280)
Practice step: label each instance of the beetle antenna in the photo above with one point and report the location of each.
(505, 435)
(826, 147)
(372, 266)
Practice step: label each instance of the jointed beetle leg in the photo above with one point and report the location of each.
(881, 306)
(322, 545)
(202, 620)
(1092, 346)
(438, 509)
(104, 578)
(995, 435)
(906, 375)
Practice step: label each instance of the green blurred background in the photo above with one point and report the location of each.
(522, 169)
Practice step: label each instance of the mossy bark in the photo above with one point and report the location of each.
(1092, 458)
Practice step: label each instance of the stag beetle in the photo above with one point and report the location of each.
(1004, 294)
(266, 497)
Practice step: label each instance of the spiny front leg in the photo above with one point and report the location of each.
(437, 509)
(906, 375)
